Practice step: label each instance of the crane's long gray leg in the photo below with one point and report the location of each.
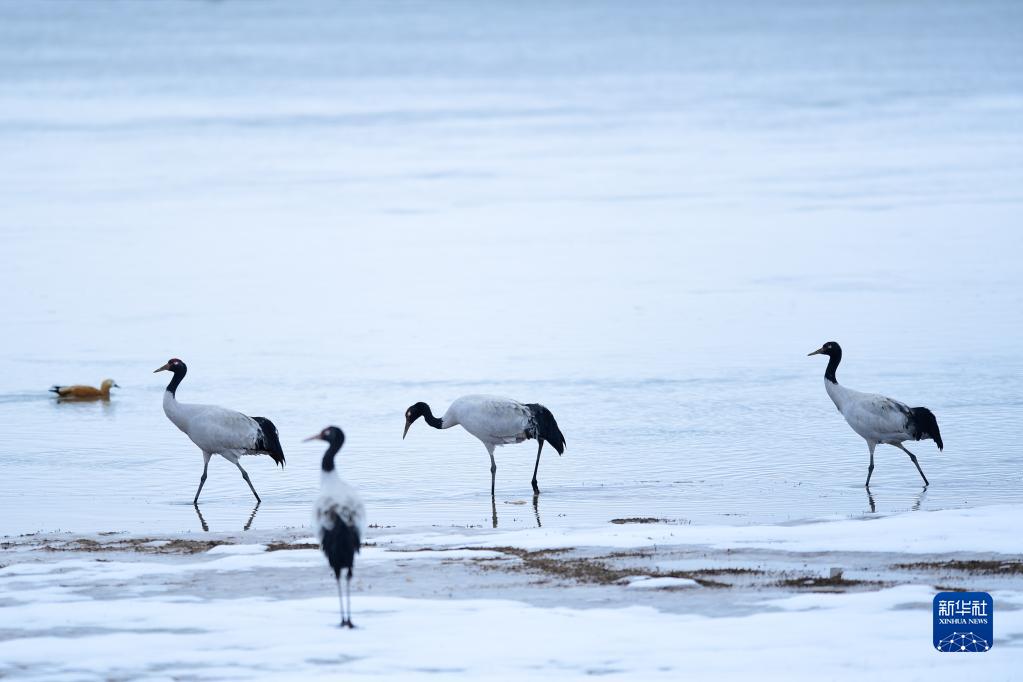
(348, 584)
(536, 467)
(202, 481)
(493, 469)
(493, 483)
(913, 457)
(341, 600)
(870, 469)
(245, 475)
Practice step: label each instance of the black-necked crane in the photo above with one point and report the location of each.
(339, 517)
(219, 431)
(80, 392)
(495, 421)
(875, 418)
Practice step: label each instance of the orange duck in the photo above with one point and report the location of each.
(79, 392)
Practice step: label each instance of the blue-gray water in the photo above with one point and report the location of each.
(643, 215)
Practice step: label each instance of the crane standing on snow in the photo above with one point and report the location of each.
(339, 517)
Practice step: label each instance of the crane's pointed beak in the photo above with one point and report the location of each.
(819, 351)
(313, 437)
(408, 425)
(162, 369)
(119, 385)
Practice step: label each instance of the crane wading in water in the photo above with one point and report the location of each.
(875, 418)
(495, 421)
(219, 431)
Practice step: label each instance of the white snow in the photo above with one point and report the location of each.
(239, 557)
(237, 549)
(993, 528)
(807, 637)
(645, 582)
(61, 619)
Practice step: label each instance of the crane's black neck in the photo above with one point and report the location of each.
(430, 419)
(179, 374)
(834, 358)
(327, 465)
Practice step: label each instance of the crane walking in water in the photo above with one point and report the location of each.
(219, 431)
(495, 421)
(875, 418)
(339, 517)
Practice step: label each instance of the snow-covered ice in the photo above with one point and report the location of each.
(845, 636)
(992, 528)
(643, 582)
(262, 610)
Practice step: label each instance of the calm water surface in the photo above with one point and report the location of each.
(642, 215)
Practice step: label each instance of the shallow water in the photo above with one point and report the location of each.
(642, 217)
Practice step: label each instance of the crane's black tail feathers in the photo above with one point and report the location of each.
(268, 441)
(925, 425)
(340, 544)
(547, 427)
